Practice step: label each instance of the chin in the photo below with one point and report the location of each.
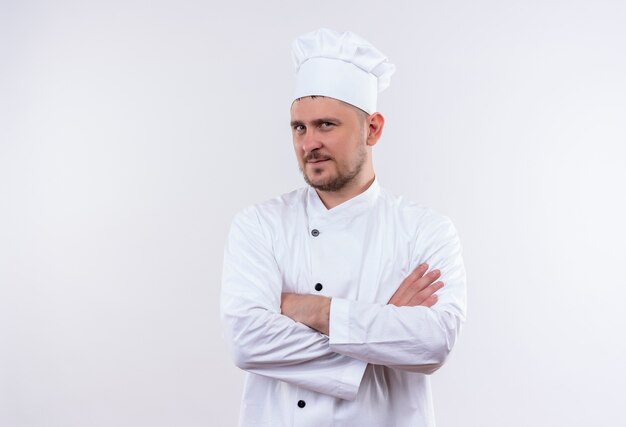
(327, 184)
(320, 179)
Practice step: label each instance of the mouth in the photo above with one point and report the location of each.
(317, 161)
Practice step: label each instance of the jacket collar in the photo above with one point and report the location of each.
(348, 209)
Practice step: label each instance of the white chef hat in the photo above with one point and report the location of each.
(342, 66)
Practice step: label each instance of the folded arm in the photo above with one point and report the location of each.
(416, 329)
(418, 289)
(262, 340)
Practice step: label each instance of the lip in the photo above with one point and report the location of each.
(317, 161)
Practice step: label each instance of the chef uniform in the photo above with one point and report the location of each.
(372, 369)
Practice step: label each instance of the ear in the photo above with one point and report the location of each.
(375, 122)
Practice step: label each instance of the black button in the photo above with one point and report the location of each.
(318, 287)
(301, 403)
(315, 232)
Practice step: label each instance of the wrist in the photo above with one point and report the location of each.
(322, 315)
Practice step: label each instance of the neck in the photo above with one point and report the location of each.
(356, 187)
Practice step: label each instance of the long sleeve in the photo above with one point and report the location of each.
(262, 340)
(417, 339)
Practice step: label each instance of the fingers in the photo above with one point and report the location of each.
(430, 301)
(418, 288)
(426, 294)
(417, 273)
(408, 282)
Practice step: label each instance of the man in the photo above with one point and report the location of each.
(333, 295)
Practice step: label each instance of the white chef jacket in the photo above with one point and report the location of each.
(372, 369)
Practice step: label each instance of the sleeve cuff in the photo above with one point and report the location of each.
(339, 333)
(339, 321)
(351, 380)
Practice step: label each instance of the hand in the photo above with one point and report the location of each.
(418, 288)
(311, 310)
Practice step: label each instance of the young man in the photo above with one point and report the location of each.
(333, 295)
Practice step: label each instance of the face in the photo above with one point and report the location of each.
(329, 141)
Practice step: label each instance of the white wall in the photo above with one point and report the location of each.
(132, 131)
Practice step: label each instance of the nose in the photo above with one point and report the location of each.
(310, 141)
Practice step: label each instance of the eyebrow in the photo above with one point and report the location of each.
(317, 122)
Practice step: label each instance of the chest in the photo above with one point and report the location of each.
(364, 258)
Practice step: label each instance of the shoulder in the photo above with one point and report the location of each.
(432, 234)
(414, 217)
(272, 211)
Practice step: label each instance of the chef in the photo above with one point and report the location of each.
(339, 299)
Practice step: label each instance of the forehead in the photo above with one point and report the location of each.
(309, 108)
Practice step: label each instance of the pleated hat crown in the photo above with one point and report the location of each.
(343, 66)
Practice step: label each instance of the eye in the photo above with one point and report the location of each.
(326, 125)
(299, 128)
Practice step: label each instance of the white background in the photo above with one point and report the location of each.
(132, 131)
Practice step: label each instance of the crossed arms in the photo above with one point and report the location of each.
(325, 345)
(418, 289)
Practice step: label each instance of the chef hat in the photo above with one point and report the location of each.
(342, 66)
